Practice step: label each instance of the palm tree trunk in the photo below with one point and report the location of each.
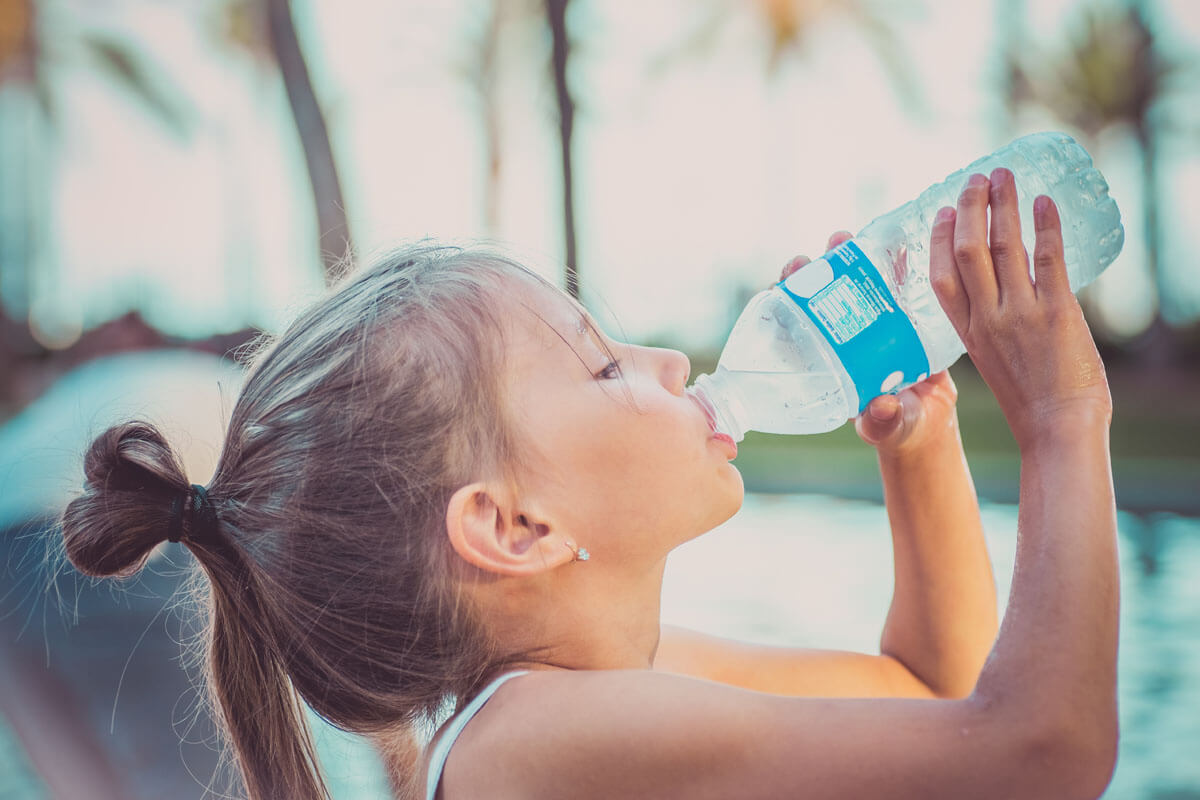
(556, 13)
(1149, 148)
(1158, 344)
(486, 80)
(1010, 25)
(333, 228)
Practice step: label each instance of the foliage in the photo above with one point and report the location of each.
(784, 28)
(37, 50)
(1111, 71)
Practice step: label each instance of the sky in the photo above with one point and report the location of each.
(697, 176)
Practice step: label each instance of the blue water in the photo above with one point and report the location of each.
(17, 779)
(816, 571)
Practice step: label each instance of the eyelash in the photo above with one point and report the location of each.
(611, 370)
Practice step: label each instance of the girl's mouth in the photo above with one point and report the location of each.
(710, 415)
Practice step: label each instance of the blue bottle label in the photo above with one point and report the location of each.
(849, 302)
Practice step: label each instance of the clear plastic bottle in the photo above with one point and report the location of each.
(812, 351)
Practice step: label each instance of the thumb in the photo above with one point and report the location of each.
(881, 419)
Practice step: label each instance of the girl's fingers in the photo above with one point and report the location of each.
(883, 417)
(799, 261)
(838, 238)
(793, 265)
(1049, 269)
(943, 271)
(971, 243)
(1008, 251)
(835, 239)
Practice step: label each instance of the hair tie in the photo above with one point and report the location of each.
(195, 505)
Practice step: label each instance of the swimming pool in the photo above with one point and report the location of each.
(816, 571)
(820, 574)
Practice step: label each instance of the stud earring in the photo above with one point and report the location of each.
(581, 553)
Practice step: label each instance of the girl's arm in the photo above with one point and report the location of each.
(1041, 721)
(942, 620)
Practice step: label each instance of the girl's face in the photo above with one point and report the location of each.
(609, 442)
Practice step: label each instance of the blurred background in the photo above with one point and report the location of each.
(179, 177)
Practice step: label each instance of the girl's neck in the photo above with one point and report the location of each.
(591, 619)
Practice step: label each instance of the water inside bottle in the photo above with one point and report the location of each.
(792, 402)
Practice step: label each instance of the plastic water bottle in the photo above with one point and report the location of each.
(812, 351)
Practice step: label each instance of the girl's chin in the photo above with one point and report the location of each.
(737, 491)
(725, 504)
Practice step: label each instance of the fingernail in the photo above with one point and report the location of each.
(883, 411)
(1000, 175)
(1040, 204)
(977, 180)
(944, 214)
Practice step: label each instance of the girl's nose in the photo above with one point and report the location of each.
(674, 371)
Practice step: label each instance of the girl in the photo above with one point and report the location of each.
(443, 483)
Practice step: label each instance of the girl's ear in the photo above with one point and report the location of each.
(487, 530)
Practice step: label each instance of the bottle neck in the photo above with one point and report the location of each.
(720, 399)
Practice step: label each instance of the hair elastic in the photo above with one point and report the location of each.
(195, 505)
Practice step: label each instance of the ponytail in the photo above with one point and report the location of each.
(401, 752)
(134, 491)
(330, 577)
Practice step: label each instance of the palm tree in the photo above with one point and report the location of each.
(480, 69)
(32, 64)
(268, 27)
(556, 17)
(333, 228)
(1112, 73)
(786, 25)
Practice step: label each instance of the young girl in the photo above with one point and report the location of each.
(444, 484)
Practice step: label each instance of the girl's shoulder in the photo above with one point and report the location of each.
(446, 737)
(513, 737)
(641, 733)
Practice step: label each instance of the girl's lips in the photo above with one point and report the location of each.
(728, 441)
(710, 415)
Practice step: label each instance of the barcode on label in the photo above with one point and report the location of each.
(843, 309)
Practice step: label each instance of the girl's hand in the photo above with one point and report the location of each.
(799, 261)
(905, 422)
(901, 422)
(1027, 337)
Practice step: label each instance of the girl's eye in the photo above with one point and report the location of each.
(611, 370)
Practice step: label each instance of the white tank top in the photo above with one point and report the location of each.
(441, 748)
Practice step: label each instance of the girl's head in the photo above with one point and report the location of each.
(407, 438)
(615, 455)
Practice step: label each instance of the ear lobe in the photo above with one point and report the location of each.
(487, 531)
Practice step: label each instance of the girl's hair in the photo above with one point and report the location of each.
(329, 578)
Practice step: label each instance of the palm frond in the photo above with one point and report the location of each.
(130, 72)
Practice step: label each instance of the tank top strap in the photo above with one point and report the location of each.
(441, 748)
